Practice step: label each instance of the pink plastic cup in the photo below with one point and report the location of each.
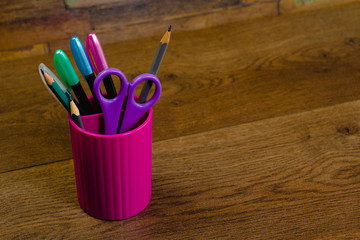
(113, 172)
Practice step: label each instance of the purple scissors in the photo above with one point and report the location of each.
(133, 110)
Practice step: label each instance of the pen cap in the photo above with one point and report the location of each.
(95, 53)
(80, 56)
(65, 69)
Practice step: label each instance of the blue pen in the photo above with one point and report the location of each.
(83, 64)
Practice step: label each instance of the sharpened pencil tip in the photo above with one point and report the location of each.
(73, 108)
(48, 79)
(166, 37)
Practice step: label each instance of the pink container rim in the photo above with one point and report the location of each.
(148, 118)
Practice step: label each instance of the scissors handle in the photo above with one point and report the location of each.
(111, 107)
(133, 110)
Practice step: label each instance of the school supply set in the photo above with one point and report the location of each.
(111, 133)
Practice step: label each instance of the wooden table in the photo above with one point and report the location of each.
(256, 136)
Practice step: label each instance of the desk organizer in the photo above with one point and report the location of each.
(113, 172)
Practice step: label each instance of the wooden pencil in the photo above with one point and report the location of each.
(159, 55)
(82, 98)
(75, 114)
(62, 95)
(55, 88)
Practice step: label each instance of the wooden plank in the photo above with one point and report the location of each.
(146, 19)
(41, 30)
(12, 54)
(211, 78)
(16, 10)
(64, 44)
(295, 176)
(296, 5)
(30, 126)
(97, 3)
(185, 15)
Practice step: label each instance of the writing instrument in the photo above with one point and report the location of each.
(98, 62)
(75, 114)
(84, 65)
(159, 55)
(56, 88)
(68, 75)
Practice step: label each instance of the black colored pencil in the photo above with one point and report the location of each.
(65, 95)
(75, 114)
(81, 96)
(50, 82)
(159, 55)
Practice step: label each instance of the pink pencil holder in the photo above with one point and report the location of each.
(113, 172)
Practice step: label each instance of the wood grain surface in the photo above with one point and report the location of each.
(256, 134)
(211, 78)
(185, 15)
(17, 10)
(45, 29)
(290, 177)
(301, 5)
(24, 24)
(28, 24)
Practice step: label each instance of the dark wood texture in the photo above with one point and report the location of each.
(18, 10)
(295, 176)
(32, 28)
(300, 5)
(51, 24)
(45, 29)
(253, 70)
(256, 134)
(183, 15)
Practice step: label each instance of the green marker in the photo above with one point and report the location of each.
(68, 75)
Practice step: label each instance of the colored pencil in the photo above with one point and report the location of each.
(55, 88)
(159, 55)
(62, 95)
(75, 114)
